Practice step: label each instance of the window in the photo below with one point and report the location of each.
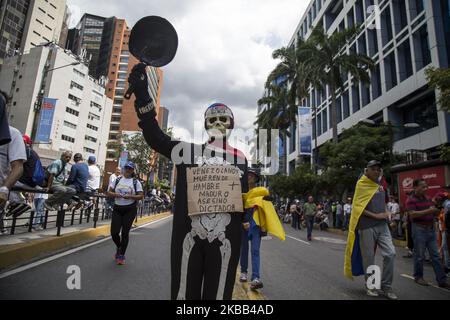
(338, 109)
(115, 127)
(115, 118)
(386, 26)
(39, 21)
(113, 136)
(400, 18)
(96, 105)
(422, 48)
(423, 112)
(67, 138)
(355, 98)
(373, 42)
(390, 71)
(350, 19)
(41, 10)
(90, 126)
(50, 17)
(117, 110)
(89, 138)
(124, 59)
(319, 124)
(123, 67)
(346, 106)
(416, 7)
(72, 111)
(89, 150)
(70, 125)
(36, 33)
(376, 82)
(75, 99)
(324, 121)
(79, 73)
(405, 61)
(93, 116)
(73, 84)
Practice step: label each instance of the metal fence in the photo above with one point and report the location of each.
(99, 211)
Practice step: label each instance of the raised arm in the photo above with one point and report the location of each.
(145, 110)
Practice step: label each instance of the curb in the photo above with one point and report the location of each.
(243, 292)
(16, 254)
(397, 243)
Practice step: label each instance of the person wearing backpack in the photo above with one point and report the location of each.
(57, 173)
(127, 191)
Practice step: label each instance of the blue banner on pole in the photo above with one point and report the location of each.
(45, 122)
(305, 129)
(123, 159)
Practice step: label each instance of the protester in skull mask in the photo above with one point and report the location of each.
(205, 247)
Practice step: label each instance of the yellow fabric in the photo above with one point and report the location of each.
(264, 210)
(365, 190)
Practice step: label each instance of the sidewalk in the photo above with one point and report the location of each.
(16, 250)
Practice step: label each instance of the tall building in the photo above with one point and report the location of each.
(411, 36)
(115, 50)
(13, 16)
(44, 23)
(82, 112)
(88, 36)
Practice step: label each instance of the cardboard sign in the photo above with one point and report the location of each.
(213, 189)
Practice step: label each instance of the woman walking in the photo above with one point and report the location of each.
(126, 191)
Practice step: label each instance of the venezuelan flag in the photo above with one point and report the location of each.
(365, 190)
(264, 215)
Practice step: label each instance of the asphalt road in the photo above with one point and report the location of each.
(292, 270)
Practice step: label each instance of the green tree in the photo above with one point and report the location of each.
(329, 64)
(440, 79)
(345, 160)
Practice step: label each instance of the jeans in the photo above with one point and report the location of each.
(425, 239)
(380, 236)
(309, 225)
(339, 221)
(255, 240)
(296, 224)
(39, 211)
(61, 194)
(346, 220)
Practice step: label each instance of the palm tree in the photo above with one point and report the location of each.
(328, 63)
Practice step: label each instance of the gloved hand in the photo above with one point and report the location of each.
(143, 105)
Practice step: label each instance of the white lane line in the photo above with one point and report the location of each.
(431, 285)
(65, 253)
(302, 241)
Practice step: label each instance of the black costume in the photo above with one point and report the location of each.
(205, 249)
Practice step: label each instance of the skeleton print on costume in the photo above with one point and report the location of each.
(209, 226)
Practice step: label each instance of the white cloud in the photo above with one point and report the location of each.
(224, 53)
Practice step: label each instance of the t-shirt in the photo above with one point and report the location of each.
(376, 205)
(94, 178)
(394, 208)
(416, 203)
(347, 208)
(309, 209)
(79, 174)
(13, 151)
(125, 187)
(55, 168)
(339, 209)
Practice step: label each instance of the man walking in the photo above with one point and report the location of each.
(369, 226)
(347, 212)
(422, 213)
(309, 210)
(339, 215)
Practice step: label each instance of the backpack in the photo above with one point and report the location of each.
(116, 182)
(33, 172)
(47, 175)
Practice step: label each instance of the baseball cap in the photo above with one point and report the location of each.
(373, 163)
(27, 139)
(92, 159)
(129, 164)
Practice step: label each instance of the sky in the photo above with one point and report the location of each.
(224, 51)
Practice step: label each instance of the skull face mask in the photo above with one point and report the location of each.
(219, 121)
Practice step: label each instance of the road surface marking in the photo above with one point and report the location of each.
(331, 240)
(65, 253)
(430, 284)
(302, 241)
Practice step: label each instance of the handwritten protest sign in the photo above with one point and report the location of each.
(213, 189)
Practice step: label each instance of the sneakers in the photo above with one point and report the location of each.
(243, 277)
(117, 254)
(120, 260)
(372, 292)
(422, 282)
(256, 284)
(389, 294)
